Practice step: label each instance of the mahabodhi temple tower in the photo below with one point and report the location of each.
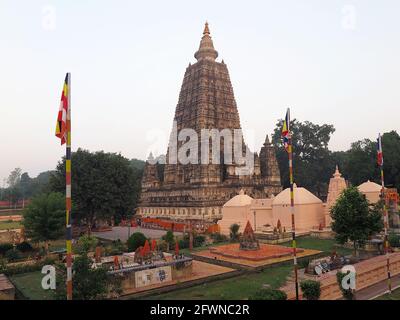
(198, 190)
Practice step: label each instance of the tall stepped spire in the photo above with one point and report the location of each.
(196, 190)
(206, 49)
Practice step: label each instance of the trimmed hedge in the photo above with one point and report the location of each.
(24, 247)
(311, 289)
(13, 255)
(4, 247)
(135, 241)
(24, 268)
(269, 294)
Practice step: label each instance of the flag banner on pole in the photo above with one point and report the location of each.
(61, 126)
(379, 151)
(286, 131)
(63, 132)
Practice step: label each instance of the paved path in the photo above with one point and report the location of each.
(122, 233)
(377, 289)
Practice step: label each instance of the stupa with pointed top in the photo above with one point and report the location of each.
(198, 191)
(248, 240)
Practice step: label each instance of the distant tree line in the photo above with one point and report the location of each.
(21, 186)
(104, 186)
(314, 163)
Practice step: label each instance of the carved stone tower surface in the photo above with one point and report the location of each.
(195, 190)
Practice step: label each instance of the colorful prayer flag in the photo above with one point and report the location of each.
(286, 131)
(379, 151)
(61, 126)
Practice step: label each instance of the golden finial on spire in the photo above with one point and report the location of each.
(206, 29)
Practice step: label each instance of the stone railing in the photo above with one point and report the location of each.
(368, 273)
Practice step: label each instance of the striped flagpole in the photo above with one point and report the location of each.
(385, 215)
(290, 155)
(68, 194)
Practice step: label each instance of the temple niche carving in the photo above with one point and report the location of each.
(198, 191)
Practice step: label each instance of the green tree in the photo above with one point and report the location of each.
(361, 164)
(86, 243)
(103, 186)
(391, 155)
(234, 232)
(14, 178)
(313, 162)
(353, 219)
(136, 240)
(25, 185)
(360, 161)
(169, 238)
(13, 192)
(89, 283)
(311, 289)
(44, 218)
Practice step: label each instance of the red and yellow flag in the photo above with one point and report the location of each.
(285, 134)
(61, 126)
(379, 159)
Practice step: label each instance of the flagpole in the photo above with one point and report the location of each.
(290, 156)
(385, 215)
(68, 195)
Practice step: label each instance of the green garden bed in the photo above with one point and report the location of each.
(29, 286)
(325, 245)
(237, 288)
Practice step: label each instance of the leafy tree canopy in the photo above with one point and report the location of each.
(89, 283)
(44, 217)
(104, 185)
(135, 241)
(353, 219)
(312, 161)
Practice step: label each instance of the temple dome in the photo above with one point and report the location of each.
(369, 186)
(239, 200)
(301, 196)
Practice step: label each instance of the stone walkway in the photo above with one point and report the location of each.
(377, 289)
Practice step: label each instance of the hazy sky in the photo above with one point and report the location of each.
(332, 62)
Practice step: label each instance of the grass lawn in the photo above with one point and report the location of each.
(240, 287)
(10, 225)
(394, 296)
(30, 285)
(57, 244)
(325, 245)
(186, 250)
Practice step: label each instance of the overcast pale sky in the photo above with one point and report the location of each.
(333, 62)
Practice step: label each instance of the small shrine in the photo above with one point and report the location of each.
(248, 240)
(147, 255)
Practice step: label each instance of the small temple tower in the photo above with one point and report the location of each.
(336, 185)
(248, 240)
(150, 175)
(268, 163)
